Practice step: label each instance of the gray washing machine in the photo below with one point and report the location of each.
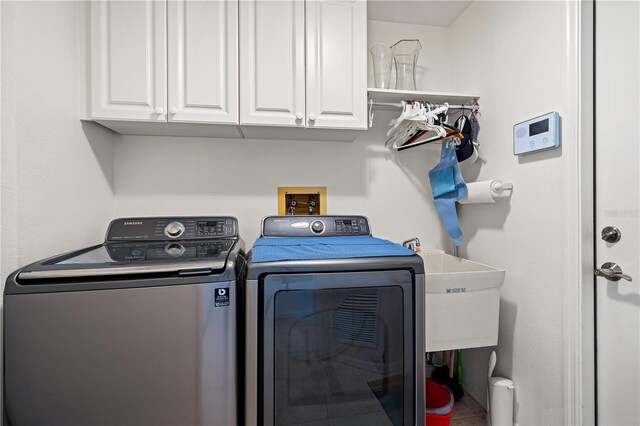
(334, 326)
(140, 330)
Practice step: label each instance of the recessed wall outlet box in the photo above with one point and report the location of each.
(537, 134)
(302, 200)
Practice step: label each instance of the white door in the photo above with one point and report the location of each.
(203, 61)
(128, 60)
(337, 64)
(272, 62)
(618, 205)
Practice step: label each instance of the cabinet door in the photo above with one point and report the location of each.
(128, 60)
(337, 64)
(203, 61)
(272, 87)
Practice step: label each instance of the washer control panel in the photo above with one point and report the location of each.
(167, 250)
(172, 228)
(315, 226)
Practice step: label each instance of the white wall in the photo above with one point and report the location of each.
(171, 176)
(514, 60)
(57, 174)
(199, 176)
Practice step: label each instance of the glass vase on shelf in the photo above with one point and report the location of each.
(382, 55)
(406, 57)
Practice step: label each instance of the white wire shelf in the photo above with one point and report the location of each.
(387, 96)
(391, 99)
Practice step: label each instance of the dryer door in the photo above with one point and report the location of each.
(338, 346)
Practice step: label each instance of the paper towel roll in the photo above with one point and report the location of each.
(485, 191)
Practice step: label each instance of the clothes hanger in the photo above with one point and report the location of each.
(453, 136)
(425, 122)
(404, 126)
(451, 133)
(401, 126)
(409, 109)
(418, 117)
(427, 127)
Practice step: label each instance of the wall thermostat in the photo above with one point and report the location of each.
(537, 134)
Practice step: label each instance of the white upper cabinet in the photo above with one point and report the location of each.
(128, 51)
(256, 63)
(272, 62)
(203, 61)
(287, 82)
(337, 64)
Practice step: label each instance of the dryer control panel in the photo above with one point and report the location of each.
(172, 228)
(315, 226)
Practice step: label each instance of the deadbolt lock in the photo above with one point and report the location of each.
(611, 234)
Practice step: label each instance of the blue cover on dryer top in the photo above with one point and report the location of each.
(270, 249)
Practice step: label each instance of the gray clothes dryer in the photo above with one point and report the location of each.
(140, 330)
(333, 338)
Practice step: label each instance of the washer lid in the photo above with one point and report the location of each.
(181, 257)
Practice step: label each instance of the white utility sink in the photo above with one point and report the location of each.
(462, 302)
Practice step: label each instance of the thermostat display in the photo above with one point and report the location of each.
(539, 127)
(537, 134)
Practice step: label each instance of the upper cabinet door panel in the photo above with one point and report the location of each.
(337, 64)
(203, 61)
(128, 56)
(272, 61)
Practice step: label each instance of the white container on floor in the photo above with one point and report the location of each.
(500, 410)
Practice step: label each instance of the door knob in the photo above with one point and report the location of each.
(158, 110)
(299, 116)
(312, 117)
(173, 110)
(611, 234)
(612, 272)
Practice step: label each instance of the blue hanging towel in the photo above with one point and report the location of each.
(447, 187)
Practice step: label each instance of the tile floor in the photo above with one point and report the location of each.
(467, 412)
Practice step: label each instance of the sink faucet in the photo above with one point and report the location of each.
(412, 244)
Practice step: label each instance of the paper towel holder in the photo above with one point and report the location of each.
(499, 186)
(487, 191)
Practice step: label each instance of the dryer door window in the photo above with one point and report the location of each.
(339, 351)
